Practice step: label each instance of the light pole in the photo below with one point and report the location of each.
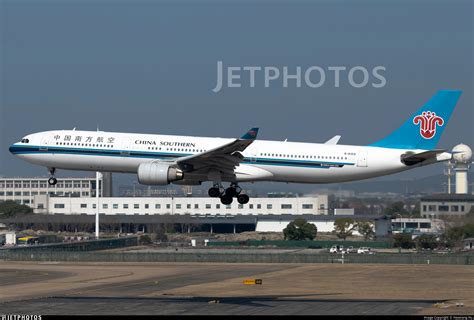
(97, 196)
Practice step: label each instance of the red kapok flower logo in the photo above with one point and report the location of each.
(428, 121)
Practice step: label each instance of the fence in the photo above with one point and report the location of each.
(90, 245)
(302, 244)
(235, 257)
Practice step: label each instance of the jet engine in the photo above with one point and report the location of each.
(158, 173)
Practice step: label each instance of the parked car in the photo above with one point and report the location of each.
(351, 249)
(365, 250)
(336, 249)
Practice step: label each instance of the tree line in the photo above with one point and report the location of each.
(11, 208)
(451, 237)
(300, 229)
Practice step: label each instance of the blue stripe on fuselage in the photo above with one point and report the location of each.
(15, 149)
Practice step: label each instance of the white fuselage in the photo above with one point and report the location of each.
(263, 160)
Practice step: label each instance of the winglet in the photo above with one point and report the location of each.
(250, 135)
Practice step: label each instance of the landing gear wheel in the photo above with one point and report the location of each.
(243, 198)
(231, 192)
(52, 181)
(214, 192)
(226, 199)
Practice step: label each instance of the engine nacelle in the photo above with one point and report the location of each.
(158, 173)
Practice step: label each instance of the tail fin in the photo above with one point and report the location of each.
(424, 127)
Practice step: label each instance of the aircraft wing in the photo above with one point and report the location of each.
(414, 158)
(223, 158)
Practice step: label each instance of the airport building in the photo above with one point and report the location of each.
(324, 223)
(47, 204)
(183, 223)
(24, 190)
(72, 204)
(417, 226)
(452, 205)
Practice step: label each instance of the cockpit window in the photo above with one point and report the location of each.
(25, 141)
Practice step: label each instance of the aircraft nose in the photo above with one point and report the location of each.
(12, 149)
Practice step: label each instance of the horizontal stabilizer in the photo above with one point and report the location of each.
(410, 158)
(333, 140)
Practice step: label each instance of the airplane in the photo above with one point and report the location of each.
(189, 160)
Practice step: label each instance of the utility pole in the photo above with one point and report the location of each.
(97, 197)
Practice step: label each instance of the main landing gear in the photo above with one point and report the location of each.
(52, 180)
(227, 195)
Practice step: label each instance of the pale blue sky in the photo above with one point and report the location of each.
(150, 66)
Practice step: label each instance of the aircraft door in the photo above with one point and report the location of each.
(362, 159)
(253, 154)
(125, 147)
(45, 142)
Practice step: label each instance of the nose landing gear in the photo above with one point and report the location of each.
(52, 181)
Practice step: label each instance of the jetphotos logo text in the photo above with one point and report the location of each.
(298, 77)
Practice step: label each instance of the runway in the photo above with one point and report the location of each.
(188, 289)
